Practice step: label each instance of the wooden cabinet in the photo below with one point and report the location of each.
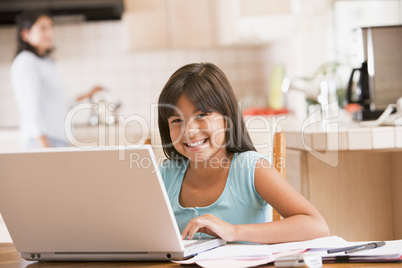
(153, 24)
(190, 23)
(360, 198)
(145, 22)
(352, 175)
(177, 23)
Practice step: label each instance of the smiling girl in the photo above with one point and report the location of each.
(218, 185)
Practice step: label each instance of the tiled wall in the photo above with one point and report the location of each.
(89, 54)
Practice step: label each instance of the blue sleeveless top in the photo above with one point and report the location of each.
(239, 202)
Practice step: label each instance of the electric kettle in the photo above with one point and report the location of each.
(360, 92)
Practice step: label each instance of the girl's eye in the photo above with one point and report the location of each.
(199, 116)
(176, 121)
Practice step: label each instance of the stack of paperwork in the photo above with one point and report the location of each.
(250, 255)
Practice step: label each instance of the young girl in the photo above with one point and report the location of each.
(217, 183)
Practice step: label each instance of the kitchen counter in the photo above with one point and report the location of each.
(351, 174)
(85, 136)
(333, 135)
(345, 138)
(9, 139)
(106, 135)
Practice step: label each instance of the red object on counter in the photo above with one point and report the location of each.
(264, 111)
(353, 107)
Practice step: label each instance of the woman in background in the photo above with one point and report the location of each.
(38, 88)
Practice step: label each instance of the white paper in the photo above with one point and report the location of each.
(233, 263)
(232, 252)
(246, 255)
(391, 250)
(246, 262)
(323, 243)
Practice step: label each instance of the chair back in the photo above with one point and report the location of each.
(279, 161)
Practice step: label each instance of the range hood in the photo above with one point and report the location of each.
(87, 10)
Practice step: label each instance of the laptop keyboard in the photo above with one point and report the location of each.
(190, 243)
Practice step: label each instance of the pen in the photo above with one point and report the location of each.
(351, 249)
(367, 246)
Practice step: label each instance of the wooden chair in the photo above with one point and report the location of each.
(279, 161)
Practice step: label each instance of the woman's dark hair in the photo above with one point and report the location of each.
(25, 21)
(207, 87)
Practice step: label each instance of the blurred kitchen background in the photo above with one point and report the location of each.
(252, 41)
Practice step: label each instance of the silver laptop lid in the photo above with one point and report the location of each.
(86, 200)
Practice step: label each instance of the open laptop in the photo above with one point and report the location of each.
(75, 204)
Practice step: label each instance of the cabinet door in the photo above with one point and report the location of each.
(189, 23)
(146, 24)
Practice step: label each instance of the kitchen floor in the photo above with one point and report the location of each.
(4, 235)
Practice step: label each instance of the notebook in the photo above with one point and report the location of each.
(103, 204)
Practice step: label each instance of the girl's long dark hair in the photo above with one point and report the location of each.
(207, 87)
(25, 21)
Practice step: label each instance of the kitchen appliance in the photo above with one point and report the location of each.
(387, 118)
(380, 81)
(64, 10)
(359, 92)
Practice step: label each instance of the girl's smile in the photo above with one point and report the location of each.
(196, 144)
(195, 134)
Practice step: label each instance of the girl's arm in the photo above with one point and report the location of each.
(301, 220)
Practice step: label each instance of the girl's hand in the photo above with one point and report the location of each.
(211, 225)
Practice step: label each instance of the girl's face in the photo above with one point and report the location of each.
(40, 36)
(197, 135)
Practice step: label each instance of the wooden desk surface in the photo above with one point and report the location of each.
(9, 258)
